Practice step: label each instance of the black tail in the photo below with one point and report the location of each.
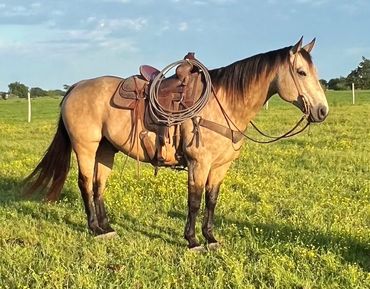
(52, 170)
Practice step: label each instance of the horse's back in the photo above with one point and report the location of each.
(91, 91)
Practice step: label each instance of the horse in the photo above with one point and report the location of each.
(96, 130)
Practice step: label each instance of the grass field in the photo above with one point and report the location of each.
(294, 214)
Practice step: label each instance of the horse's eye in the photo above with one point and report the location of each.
(301, 72)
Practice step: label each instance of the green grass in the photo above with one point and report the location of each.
(293, 214)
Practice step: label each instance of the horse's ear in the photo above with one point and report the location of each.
(308, 47)
(297, 46)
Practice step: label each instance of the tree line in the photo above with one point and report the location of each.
(18, 89)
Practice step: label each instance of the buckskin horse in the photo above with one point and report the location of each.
(95, 128)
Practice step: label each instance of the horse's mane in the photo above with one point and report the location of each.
(236, 78)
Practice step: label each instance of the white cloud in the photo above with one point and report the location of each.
(16, 10)
(118, 1)
(200, 3)
(183, 26)
(136, 24)
(73, 41)
(35, 4)
(119, 45)
(57, 12)
(165, 27)
(313, 2)
(203, 2)
(12, 46)
(222, 1)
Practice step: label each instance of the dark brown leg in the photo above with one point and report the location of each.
(214, 180)
(87, 197)
(86, 163)
(194, 200)
(103, 166)
(102, 215)
(211, 200)
(196, 181)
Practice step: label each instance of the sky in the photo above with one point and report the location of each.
(49, 43)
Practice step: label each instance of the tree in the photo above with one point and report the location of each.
(4, 95)
(38, 92)
(340, 83)
(18, 89)
(361, 75)
(324, 84)
(56, 92)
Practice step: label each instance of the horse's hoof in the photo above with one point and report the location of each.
(198, 249)
(213, 246)
(109, 235)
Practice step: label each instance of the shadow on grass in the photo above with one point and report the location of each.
(10, 190)
(351, 250)
(11, 197)
(152, 231)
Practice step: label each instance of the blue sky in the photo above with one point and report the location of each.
(49, 43)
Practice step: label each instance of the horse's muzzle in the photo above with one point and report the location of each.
(319, 113)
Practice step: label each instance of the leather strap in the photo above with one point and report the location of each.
(233, 135)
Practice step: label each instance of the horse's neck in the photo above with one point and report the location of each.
(243, 110)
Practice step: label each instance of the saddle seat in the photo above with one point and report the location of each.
(174, 93)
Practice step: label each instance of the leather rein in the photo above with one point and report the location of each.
(238, 134)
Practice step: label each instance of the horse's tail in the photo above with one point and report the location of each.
(53, 168)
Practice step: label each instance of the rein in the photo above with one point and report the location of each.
(292, 132)
(288, 134)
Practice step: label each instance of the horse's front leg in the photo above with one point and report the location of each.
(197, 176)
(214, 180)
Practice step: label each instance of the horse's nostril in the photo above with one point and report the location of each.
(323, 112)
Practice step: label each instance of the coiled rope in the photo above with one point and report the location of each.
(168, 117)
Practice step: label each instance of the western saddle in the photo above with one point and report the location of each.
(173, 94)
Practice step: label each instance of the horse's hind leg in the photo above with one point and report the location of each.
(214, 180)
(86, 166)
(103, 166)
(95, 162)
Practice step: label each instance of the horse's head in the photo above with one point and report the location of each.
(298, 83)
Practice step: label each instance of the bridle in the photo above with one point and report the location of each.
(292, 70)
(292, 132)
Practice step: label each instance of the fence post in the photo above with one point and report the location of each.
(29, 105)
(353, 93)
